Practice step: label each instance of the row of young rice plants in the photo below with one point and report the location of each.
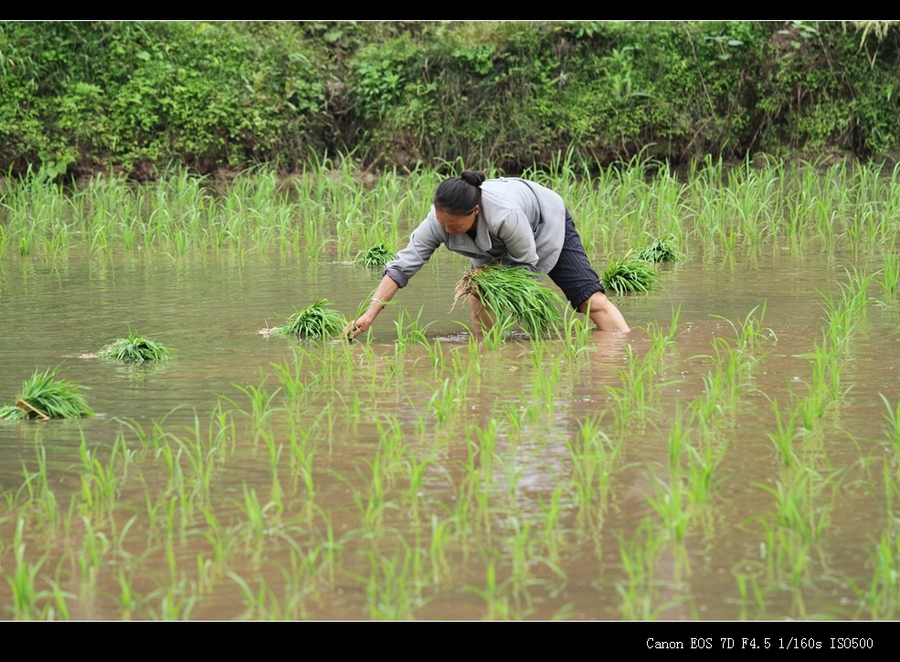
(256, 511)
(421, 520)
(807, 486)
(334, 212)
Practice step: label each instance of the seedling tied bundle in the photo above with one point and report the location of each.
(314, 321)
(513, 291)
(43, 396)
(375, 257)
(637, 274)
(661, 250)
(134, 349)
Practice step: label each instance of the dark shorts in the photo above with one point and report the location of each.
(573, 273)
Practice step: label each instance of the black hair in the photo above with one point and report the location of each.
(459, 195)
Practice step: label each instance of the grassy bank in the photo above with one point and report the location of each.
(86, 97)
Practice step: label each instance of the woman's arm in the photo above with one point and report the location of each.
(422, 243)
(384, 293)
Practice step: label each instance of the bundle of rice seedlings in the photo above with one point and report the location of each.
(661, 250)
(44, 396)
(134, 349)
(629, 275)
(375, 257)
(314, 321)
(513, 291)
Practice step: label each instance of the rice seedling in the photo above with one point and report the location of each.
(177, 603)
(440, 537)
(258, 606)
(882, 598)
(800, 507)
(497, 604)
(745, 578)
(785, 433)
(625, 276)
(669, 503)
(890, 274)
(22, 581)
(447, 398)
(661, 250)
(593, 456)
(45, 397)
(893, 418)
(639, 560)
(316, 321)
(552, 533)
(392, 592)
(376, 256)
(134, 349)
(513, 292)
(410, 330)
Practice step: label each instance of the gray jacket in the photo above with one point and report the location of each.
(520, 224)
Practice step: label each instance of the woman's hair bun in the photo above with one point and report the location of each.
(473, 177)
(460, 195)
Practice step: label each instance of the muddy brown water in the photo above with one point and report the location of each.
(210, 310)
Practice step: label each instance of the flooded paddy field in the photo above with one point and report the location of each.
(735, 456)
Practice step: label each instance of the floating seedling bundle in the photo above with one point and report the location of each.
(629, 275)
(43, 396)
(661, 250)
(513, 291)
(314, 321)
(375, 257)
(134, 349)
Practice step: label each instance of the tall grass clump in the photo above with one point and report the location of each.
(629, 275)
(44, 396)
(134, 349)
(376, 256)
(513, 291)
(314, 321)
(661, 250)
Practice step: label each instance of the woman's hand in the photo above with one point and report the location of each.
(385, 292)
(361, 325)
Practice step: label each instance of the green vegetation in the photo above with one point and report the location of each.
(132, 97)
(427, 478)
(134, 349)
(628, 275)
(515, 292)
(316, 321)
(43, 396)
(375, 256)
(661, 250)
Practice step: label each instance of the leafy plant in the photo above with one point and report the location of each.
(44, 396)
(134, 349)
(629, 275)
(513, 291)
(375, 257)
(661, 250)
(314, 321)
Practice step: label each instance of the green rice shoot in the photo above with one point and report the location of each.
(629, 275)
(43, 396)
(11, 413)
(134, 349)
(375, 257)
(661, 250)
(314, 321)
(513, 291)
